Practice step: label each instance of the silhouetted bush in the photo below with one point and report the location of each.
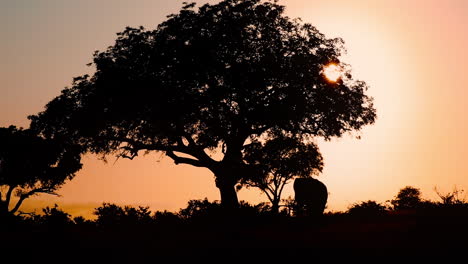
(367, 208)
(247, 210)
(112, 215)
(452, 199)
(80, 221)
(209, 213)
(55, 218)
(407, 198)
(264, 209)
(166, 218)
(289, 206)
(200, 210)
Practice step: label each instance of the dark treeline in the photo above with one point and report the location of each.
(407, 224)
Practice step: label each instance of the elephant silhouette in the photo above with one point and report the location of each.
(311, 197)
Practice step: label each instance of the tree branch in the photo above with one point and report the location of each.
(281, 189)
(268, 187)
(18, 204)
(28, 194)
(269, 196)
(192, 149)
(135, 145)
(198, 152)
(190, 161)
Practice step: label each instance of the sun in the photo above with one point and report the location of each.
(332, 72)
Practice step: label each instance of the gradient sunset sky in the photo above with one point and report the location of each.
(412, 53)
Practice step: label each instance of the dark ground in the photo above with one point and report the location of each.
(399, 238)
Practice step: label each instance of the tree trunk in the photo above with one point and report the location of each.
(226, 182)
(4, 213)
(275, 207)
(229, 198)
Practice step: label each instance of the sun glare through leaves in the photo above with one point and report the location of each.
(332, 72)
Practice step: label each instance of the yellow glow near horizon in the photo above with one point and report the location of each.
(332, 72)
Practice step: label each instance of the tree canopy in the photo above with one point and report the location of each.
(30, 164)
(214, 79)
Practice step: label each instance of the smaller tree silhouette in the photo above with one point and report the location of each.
(276, 162)
(407, 198)
(30, 165)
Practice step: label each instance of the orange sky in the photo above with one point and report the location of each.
(413, 54)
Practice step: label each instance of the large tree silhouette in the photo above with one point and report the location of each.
(214, 79)
(31, 165)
